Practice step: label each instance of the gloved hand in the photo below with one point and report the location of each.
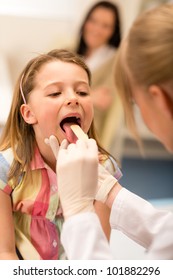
(68, 156)
(53, 143)
(105, 183)
(77, 175)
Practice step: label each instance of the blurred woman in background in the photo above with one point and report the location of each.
(100, 36)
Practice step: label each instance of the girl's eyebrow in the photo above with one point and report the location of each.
(76, 83)
(82, 83)
(51, 84)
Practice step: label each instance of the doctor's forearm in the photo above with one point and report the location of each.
(83, 238)
(136, 217)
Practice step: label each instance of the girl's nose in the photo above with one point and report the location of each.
(72, 99)
(72, 102)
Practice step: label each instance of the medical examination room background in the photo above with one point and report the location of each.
(28, 27)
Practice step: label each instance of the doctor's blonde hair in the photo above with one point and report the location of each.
(147, 55)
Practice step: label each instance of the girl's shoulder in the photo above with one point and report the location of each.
(6, 159)
(6, 156)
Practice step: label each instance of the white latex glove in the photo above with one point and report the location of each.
(100, 189)
(54, 144)
(77, 175)
(105, 183)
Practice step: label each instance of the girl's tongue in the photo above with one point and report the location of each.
(71, 137)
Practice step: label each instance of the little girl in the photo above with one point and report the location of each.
(52, 92)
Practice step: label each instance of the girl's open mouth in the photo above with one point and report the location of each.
(65, 126)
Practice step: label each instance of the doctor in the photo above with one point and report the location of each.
(146, 78)
(135, 217)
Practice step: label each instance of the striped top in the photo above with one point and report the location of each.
(36, 209)
(37, 213)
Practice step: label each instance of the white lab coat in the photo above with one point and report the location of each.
(83, 238)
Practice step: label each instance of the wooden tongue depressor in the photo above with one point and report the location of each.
(79, 132)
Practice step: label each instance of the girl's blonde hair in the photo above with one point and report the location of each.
(19, 135)
(147, 55)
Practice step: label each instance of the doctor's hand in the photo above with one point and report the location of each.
(106, 182)
(54, 144)
(77, 176)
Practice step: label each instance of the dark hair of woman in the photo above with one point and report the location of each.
(116, 36)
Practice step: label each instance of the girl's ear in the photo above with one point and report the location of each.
(161, 100)
(27, 114)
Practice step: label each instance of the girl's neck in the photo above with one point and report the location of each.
(47, 155)
(50, 163)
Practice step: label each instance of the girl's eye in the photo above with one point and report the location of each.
(82, 93)
(55, 94)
